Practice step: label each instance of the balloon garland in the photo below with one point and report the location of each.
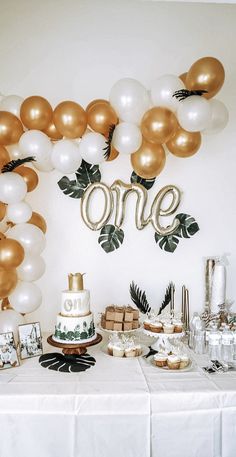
(174, 115)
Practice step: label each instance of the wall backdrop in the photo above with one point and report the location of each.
(76, 50)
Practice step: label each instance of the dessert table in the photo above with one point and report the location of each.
(119, 407)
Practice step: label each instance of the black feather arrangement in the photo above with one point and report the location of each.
(166, 300)
(10, 166)
(107, 149)
(139, 298)
(184, 93)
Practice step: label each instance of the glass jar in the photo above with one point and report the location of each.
(214, 346)
(227, 345)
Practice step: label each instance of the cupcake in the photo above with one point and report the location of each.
(146, 324)
(110, 348)
(138, 348)
(156, 327)
(160, 360)
(178, 327)
(168, 327)
(118, 350)
(184, 361)
(130, 351)
(173, 362)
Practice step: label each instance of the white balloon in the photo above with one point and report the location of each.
(19, 213)
(37, 144)
(66, 156)
(14, 151)
(26, 297)
(92, 148)
(194, 113)
(9, 321)
(13, 188)
(130, 100)
(219, 117)
(162, 90)
(32, 268)
(11, 103)
(31, 237)
(127, 138)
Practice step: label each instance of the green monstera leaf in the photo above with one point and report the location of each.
(169, 242)
(85, 175)
(187, 227)
(111, 237)
(147, 183)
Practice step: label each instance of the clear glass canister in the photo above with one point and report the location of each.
(227, 345)
(214, 347)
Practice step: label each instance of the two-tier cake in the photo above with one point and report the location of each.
(75, 322)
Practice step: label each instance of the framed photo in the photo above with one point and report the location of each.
(8, 354)
(30, 338)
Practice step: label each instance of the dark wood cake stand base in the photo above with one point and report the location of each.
(74, 348)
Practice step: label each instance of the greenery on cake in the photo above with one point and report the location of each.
(78, 334)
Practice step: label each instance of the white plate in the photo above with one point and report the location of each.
(118, 331)
(145, 350)
(167, 369)
(163, 335)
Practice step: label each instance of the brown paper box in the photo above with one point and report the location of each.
(119, 314)
(109, 325)
(127, 326)
(110, 313)
(117, 326)
(135, 324)
(128, 316)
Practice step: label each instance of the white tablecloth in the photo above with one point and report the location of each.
(118, 408)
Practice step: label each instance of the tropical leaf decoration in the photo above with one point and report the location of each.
(182, 94)
(139, 298)
(111, 237)
(85, 175)
(187, 228)
(166, 300)
(67, 363)
(147, 183)
(10, 166)
(107, 149)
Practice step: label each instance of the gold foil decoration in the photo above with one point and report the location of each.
(122, 191)
(108, 207)
(76, 282)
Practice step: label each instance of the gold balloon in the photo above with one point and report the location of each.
(70, 119)
(29, 175)
(36, 112)
(8, 281)
(39, 221)
(206, 74)
(158, 125)
(11, 253)
(52, 132)
(3, 209)
(100, 117)
(183, 77)
(11, 128)
(97, 100)
(149, 160)
(113, 154)
(184, 144)
(4, 157)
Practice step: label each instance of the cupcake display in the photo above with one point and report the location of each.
(123, 347)
(171, 356)
(165, 323)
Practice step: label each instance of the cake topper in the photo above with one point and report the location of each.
(76, 281)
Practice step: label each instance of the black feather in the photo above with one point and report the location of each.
(107, 149)
(166, 300)
(139, 298)
(10, 166)
(184, 93)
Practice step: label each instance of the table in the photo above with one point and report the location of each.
(119, 408)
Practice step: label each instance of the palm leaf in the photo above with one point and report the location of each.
(169, 242)
(111, 237)
(67, 363)
(85, 175)
(166, 300)
(10, 166)
(187, 227)
(182, 94)
(107, 149)
(147, 183)
(72, 188)
(139, 298)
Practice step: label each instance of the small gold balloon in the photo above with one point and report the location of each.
(29, 175)
(3, 209)
(52, 132)
(11, 128)
(158, 125)
(36, 112)
(183, 77)
(184, 144)
(4, 157)
(8, 281)
(70, 119)
(39, 221)
(101, 116)
(149, 160)
(113, 154)
(97, 100)
(206, 74)
(11, 253)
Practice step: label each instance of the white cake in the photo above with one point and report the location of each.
(75, 323)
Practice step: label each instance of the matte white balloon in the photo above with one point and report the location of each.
(66, 156)
(37, 144)
(9, 321)
(26, 297)
(13, 188)
(194, 113)
(162, 90)
(127, 138)
(219, 117)
(19, 213)
(32, 268)
(14, 151)
(12, 104)
(130, 100)
(31, 237)
(92, 148)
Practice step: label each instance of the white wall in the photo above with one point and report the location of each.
(76, 50)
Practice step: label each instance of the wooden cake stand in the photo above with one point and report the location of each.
(78, 349)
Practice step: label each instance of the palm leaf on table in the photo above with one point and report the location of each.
(139, 298)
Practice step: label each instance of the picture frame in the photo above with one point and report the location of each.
(30, 340)
(8, 351)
